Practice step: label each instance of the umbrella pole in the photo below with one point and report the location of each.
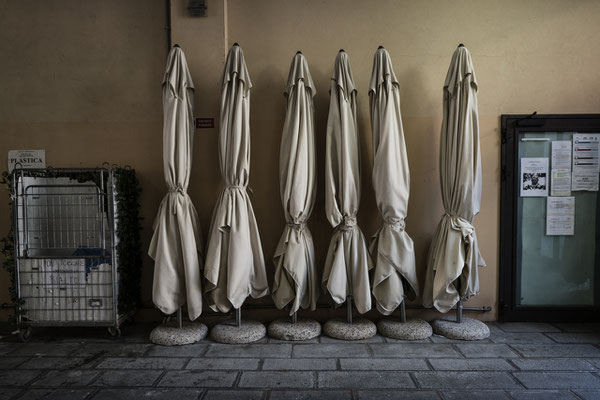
(294, 317)
(179, 318)
(238, 317)
(459, 310)
(403, 312)
(349, 309)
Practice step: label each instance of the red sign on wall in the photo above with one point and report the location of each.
(205, 123)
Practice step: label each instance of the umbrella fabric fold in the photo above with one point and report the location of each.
(391, 247)
(177, 240)
(346, 271)
(235, 266)
(295, 273)
(454, 253)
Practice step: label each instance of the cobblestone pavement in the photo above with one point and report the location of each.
(518, 361)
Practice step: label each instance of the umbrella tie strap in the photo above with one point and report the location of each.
(177, 190)
(396, 224)
(461, 224)
(348, 223)
(297, 226)
(232, 187)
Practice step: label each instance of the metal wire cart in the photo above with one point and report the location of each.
(67, 229)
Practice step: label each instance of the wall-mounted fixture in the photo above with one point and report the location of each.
(197, 8)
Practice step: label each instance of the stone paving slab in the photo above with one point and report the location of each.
(588, 394)
(307, 341)
(397, 394)
(276, 379)
(250, 350)
(308, 364)
(364, 380)
(199, 379)
(595, 362)
(113, 349)
(192, 350)
(542, 395)
(17, 378)
(346, 350)
(519, 361)
(310, 395)
(11, 362)
(147, 393)
(45, 349)
(142, 363)
(442, 339)
(131, 378)
(409, 350)
(7, 348)
(454, 364)
(475, 395)
(236, 394)
(552, 364)
(384, 364)
(476, 350)
(575, 337)
(520, 337)
(558, 380)
(223, 363)
(563, 350)
(53, 363)
(374, 339)
(526, 327)
(77, 377)
(466, 380)
(578, 327)
(56, 394)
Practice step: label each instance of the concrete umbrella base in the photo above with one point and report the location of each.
(302, 329)
(360, 328)
(468, 329)
(228, 332)
(167, 335)
(412, 329)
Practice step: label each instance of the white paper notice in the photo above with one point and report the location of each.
(26, 159)
(561, 154)
(585, 161)
(560, 216)
(560, 182)
(534, 177)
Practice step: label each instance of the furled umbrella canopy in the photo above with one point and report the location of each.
(295, 274)
(347, 265)
(177, 240)
(392, 248)
(454, 254)
(235, 266)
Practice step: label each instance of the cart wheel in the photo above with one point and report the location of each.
(25, 334)
(114, 331)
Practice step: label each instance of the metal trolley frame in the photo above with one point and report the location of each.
(65, 223)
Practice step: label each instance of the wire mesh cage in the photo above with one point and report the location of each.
(65, 239)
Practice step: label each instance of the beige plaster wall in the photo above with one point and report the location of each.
(82, 80)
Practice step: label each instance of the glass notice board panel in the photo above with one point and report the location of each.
(550, 249)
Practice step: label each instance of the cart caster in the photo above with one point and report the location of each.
(114, 331)
(25, 334)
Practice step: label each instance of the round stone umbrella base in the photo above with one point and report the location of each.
(361, 328)
(468, 329)
(412, 329)
(303, 329)
(228, 332)
(168, 335)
